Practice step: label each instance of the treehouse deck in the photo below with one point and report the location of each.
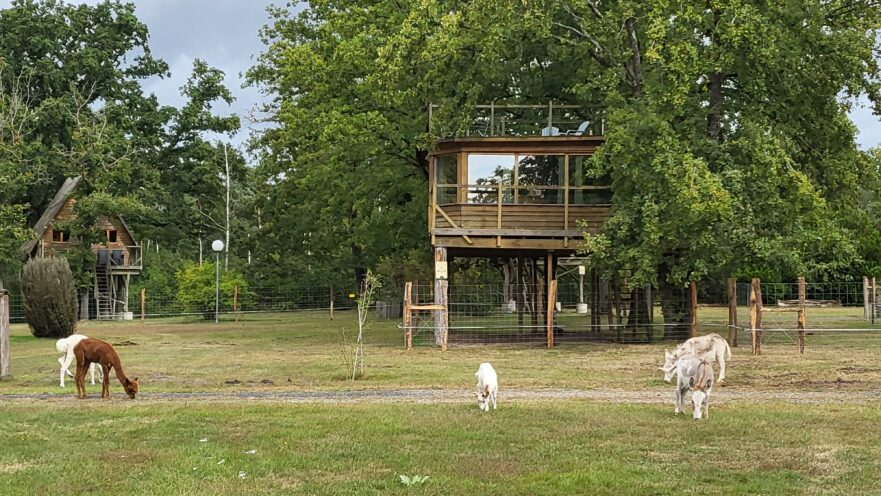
(494, 196)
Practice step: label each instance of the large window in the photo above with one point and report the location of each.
(527, 179)
(446, 176)
(586, 187)
(540, 178)
(490, 169)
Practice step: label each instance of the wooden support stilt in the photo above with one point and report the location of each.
(441, 284)
(520, 296)
(801, 315)
(552, 300)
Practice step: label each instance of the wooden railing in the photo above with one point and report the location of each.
(497, 120)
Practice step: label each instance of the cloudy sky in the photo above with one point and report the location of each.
(224, 34)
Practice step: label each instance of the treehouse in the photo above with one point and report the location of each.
(518, 182)
(117, 255)
(515, 183)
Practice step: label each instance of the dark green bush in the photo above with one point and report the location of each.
(49, 297)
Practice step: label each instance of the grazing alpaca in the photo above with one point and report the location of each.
(66, 346)
(96, 351)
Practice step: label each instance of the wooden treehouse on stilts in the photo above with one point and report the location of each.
(515, 187)
(118, 256)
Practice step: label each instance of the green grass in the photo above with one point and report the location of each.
(521, 449)
(525, 447)
(304, 352)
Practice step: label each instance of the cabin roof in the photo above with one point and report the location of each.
(52, 210)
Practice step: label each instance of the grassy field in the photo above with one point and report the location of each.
(522, 448)
(68, 446)
(304, 352)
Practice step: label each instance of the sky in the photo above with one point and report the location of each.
(224, 33)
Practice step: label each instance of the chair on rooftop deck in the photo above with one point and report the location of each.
(582, 128)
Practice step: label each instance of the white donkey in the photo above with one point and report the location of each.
(66, 346)
(695, 375)
(712, 348)
(487, 386)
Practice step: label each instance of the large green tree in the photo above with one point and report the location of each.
(728, 141)
(72, 104)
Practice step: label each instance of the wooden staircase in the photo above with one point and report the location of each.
(103, 298)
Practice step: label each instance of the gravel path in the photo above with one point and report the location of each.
(720, 395)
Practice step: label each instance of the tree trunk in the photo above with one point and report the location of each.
(675, 305)
(634, 64)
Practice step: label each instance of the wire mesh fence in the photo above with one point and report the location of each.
(835, 314)
(519, 313)
(239, 302)
(589, 310)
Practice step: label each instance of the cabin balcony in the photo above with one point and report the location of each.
(120, 260)
(525, 193)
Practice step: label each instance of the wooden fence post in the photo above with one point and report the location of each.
(866, 297)
(801, 315)
(331, 301)
(143, 304)
(552, 307)
(235, 302)
(874, 309)
(4, 333)
(732, 312)
(693, 291)
(408, 315)
(755, 315)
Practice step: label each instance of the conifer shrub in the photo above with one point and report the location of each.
(49, 297)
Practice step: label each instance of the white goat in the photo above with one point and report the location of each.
(695, 375)
(712, 348)
(487, 386)
(66, 346)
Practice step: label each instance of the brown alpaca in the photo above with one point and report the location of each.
(90, 351)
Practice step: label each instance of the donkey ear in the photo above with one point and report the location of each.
(135, 379)
(691, 382)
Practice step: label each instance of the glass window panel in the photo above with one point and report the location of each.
(490, 169)
(538, 196)
(446, 195)
(580, 173)
(590, 196)
(445, 169)
(483, 195)
(541, 170)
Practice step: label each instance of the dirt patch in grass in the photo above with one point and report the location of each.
(15, 467)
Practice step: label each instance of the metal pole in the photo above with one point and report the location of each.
(217, 289)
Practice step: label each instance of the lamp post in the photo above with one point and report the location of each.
(217, 246)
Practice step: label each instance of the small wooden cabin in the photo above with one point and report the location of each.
(117, 258)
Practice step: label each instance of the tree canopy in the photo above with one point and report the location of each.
(728, 140)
